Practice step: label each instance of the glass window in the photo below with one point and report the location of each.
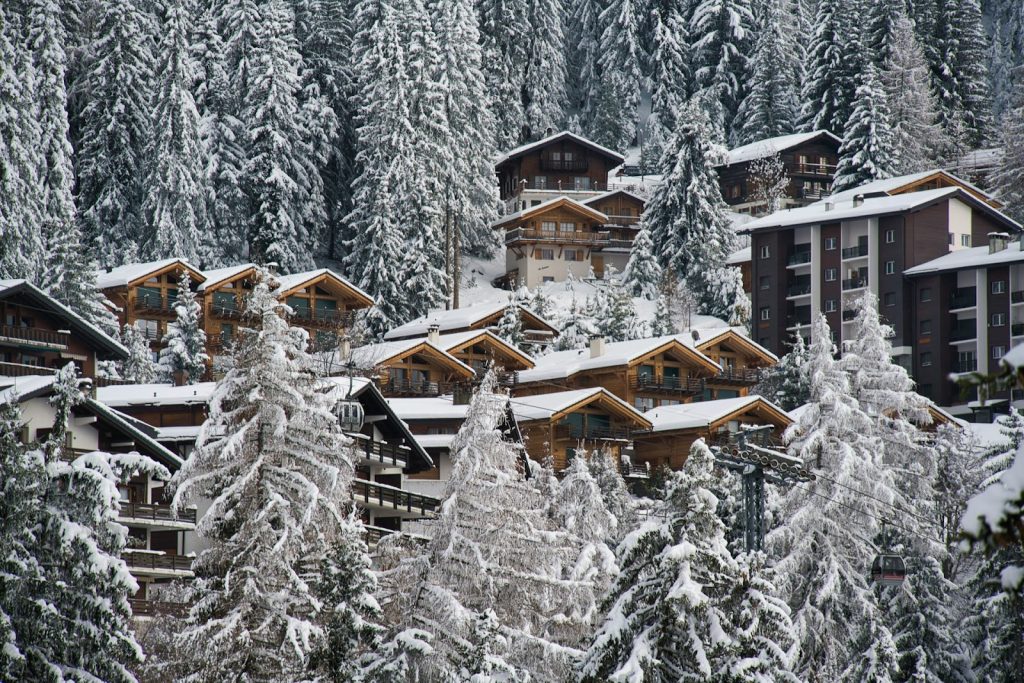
(830, 274)
(547, 226)
(540, 182)
(567, 156)
(299, 306)
(926, 327)
(998, 286)
(581, 183)
(765, 282)
(225, 300)
(998, 319)
(890, 298)
(830, 243)
(149, 296)
(831, 305)
(556, 156)
(766, 313)
(965, 240)
(926, 294)
(567, 227)
(890, 267)
(926, 358)
(890, 236)
(545, 254)
(998, 352)
(765, 252)
(643, 403)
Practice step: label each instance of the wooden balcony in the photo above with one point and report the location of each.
(158, 513)
(408, 387)
(322, 318)
(818, 170)
(390, 498)
(524, 235)
(592, 432)
(154, 305)
(20, 370)
(564, 165)
(152, 608)
(740, 376)
(33, 336)
(686, 386)
(226, 311)
(154, 562)
(624, 221)
(388, 454)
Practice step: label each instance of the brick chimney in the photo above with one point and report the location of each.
(596, 346)
(997, 241)
(434, 334)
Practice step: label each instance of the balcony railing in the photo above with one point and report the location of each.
(799, 258)
(414, 387)
(154, 561)
(811, 193)
(633, 471)
(1017, 297)
(799, 289)
(151, 608)
(849, 315)
(679, 385)
(384, 453)
(963, 332)
(155, 304)
(815, 169)
(555, 236)
(1017, 329)
(322, 317)
(34, 335)
(229, 310)
(964, 299)
(549, 164)
(737, 376)
(157, 512)
(855, 283)
(389, 497)
(20, 370)
(623, 220)
(855, 252)
(798, 320)
(593, 432)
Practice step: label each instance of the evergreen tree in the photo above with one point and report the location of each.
(273, 461)
(577, 327)
(617, 500)
(139, 367)
(834, 59)
(544, 91)
(616, 316)
(769, 182)
(787, 384)
(1009, 177)
(670, 73)
(510, 326)
(722, 40)
(643, 272)
(867, 150)
(184, 346)
(175, 202)
(615, 117)
(114, 129)
(505, 40)
(916, 134)
(583, 75)
(877, 659)
(662, 324)
(771, 106)
(885, 23)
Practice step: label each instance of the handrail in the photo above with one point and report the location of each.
(385, 453)
(386, 496)
(855, 252)
(152, 561)
(568, 431)
(687, 385)
(35, 334)
(555, 236)
(157, 512)
(22, 370)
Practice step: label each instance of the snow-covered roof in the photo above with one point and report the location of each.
(372, 355)
(523, 149)
(562, 364)
(739, 256)
(155, 394)
(769, 146)
(186, 433)
(122, 275)
(294, 280)
(560, 200)
(843, 208)
(544, 406)
(14, 390)
(218, 275)
(434, 440)
(975, 257)
(437, 408)
(701, 413)
(611, 193)
(454, 319)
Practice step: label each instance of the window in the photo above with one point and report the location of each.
(999, 286)
(766, 313)
(643, 403)
(831, 305)
(670, 402)
(889, 298)
(735, 191)
(765, 251)
(965, 240)
(567, 156)
(581, 183)
(926, 294)
(831, 274)
(998, 319)
(830, 244)
(150, 329)
(926, 358)
(547, 226)
(890, 236)
(998, 352)
(890, 267)
(926, 328)
(540, 182)
(764, 282)
(545, 254)
(573, 254)
(567, 227)
(556, 156)
(547, 278)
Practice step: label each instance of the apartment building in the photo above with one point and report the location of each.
(821, 257)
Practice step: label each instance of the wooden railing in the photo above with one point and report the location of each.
(232, 311)
(157, 512)
(152, 561)
(596, 433)
(815, 169)
(387, 497)
(622, 220)
(738, 376)
(385, 453)
(34, 334)
(153, 304)
(415, 387)
(19, 370)
(549, 164)
(151, 608)
(321, 317)
(681, 385)
(555, 236)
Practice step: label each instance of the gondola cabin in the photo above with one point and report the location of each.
(888, 570)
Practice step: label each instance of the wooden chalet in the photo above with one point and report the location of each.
(412, 367)
(623, 209)
(144, 294)
(560, 164)
(810, 165)
(560, 424)
(553, 240)
(38, 334)
(537, 332)
(644, 373)
(742, 361)
(480, 349)
(675, 427)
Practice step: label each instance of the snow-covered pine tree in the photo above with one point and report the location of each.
(771, 105)
(276, 177)
(583, 78)
(834, 59)
(1009, 177)
(721, 38)
(544, 92)
(183, 356)
(618, 320)
(662, 324)
(114, 128)
(608, 476)
(913, 117)
(139, 366)
(823, 548)
(577, 327)
(615, 116)
(867, 150)
(884, 24)
(876, 657)
(505, 39)
(643, 272)
(272, 459)
(787, 384)
(958, 473)
(670, 74)
(769, 182)
(175, 187)
(21, 190)
(972, 69)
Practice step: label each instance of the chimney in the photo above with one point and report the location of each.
(858, 199)
(829, 205)
(434, 334)
(549, 132)
(596, 346)
(997, 241)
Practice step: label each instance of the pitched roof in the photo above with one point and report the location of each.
(612, 193)
(129, 395)
(711, 335)
(564, 135)
(374, 355)
(76, 323)
(458, 319)
(564, 364)
(218, 275)
(902, 184)
(436, 408)
(568, 202)
(975, 257)
(123, 276)
(742, 255)
(547, 406)
(769, 146)
(703, 414)
(294, 281)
